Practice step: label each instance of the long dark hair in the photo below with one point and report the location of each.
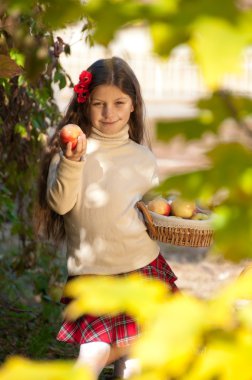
(114, 71)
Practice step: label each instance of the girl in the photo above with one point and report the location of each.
(88, 194)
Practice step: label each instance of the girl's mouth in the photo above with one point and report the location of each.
(108, 122)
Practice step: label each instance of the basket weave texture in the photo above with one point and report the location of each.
(177, 231)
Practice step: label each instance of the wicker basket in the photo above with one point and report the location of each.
(177, 231)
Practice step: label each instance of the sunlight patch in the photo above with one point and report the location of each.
(95, 196)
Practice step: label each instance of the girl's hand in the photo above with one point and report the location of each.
(79, 151)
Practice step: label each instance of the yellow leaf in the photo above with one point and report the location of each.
(245, 314)
(161, 33)
(246, 181)
(228, 300)
(241, 288)
(218, 48)
(174, 337)
(135, 295)
(227, 359)
(23, 369)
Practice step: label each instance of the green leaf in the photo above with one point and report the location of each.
(191, 129)
(192, 10)
(58, 14)
(166, 36)
(17, 6)
(61, 78)
(212, 112)
(21, 130)
(233, 230)
(18, 57)
(111, 15)
(218, 107)
(229, 162)
(67, 49)
(160, 9)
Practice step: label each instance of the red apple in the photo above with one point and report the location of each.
(70, 133)
(160, 206)
(183, 208)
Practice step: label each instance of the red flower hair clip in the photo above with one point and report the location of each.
(81, 88)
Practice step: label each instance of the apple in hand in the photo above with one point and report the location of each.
(70, 133)
(183, 208)
(160, 206)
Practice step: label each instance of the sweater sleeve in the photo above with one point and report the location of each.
(63, 183)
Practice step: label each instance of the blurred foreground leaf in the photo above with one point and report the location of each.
(195, 338)
(226, 187)
(212, 112)
(24, 369)
(177, 332)
(112, 296)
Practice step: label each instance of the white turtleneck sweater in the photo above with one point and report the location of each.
(97, 198)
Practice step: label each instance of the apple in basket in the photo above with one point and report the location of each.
(70, 133)
(160, 206)
(183, 208)
(200, 216)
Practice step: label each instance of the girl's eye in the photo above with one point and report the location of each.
(97, 104)
(119, 103)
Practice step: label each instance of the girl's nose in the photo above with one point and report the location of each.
(107, 111)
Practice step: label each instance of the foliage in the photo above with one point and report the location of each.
(189, 338)
(196, 339)
(207, 26)
(186, 346)
(28, 29)
(30, 313)
(29, 65)
(26, 113)
(31, 273)
(213, 111)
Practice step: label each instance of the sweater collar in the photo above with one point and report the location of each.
(114, 139)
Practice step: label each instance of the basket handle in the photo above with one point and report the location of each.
(148, 218)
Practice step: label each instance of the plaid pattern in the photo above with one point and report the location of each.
(120, 329)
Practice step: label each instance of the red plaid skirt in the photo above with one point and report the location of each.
(120, 329)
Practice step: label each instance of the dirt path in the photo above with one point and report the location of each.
(198, 272)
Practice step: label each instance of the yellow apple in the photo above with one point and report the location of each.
(160, 206)
(183, 208)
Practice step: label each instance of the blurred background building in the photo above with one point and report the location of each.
(170, 86)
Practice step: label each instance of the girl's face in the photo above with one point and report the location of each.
(109, 108)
